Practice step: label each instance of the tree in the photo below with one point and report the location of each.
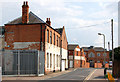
(117, 53)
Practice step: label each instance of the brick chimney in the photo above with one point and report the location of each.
(25, 12)
(48, 21)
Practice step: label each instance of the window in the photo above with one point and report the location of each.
(50, 60)
(98, 54)
(91, 54)
(47, 60)
(57, 40)
(85, 53)
(77, 53)
(48, 36)
(57, 60)
(104, 54)
(98, 61)
(77, 62)
(54, 38)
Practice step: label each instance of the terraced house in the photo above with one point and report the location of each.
(76, 56)
(30, 33)
(96, 56)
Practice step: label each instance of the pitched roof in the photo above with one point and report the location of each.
(72, 46)
(59, 30)
(95, 48)
(32, 19)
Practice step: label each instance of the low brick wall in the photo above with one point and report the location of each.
(98, 65)
(107, 65)
(87, 65)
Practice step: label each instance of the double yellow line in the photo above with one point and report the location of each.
(110, 78)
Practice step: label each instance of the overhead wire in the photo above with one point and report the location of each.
(90, 25)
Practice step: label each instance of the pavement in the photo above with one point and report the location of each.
(44, 77)
(97, 75)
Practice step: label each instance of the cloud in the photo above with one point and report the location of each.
(72, 14)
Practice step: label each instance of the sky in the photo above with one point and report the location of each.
(83, 19)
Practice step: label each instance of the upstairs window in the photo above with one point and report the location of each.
(54, 38)
(91, 54)
(98, 54)
(104, 54)
(48, 36)
(57, 40)
(77, 53)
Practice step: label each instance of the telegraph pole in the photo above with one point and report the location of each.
(112, 44)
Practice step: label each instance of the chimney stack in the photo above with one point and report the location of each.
(48, 21)
(25, 12)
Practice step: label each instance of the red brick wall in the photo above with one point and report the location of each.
(64, 39)
(24, 33)
(76, 63)
(107, 65)
(97, 58)
(87, 65)
(97, 65)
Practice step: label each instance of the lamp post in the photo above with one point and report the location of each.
(104, 47)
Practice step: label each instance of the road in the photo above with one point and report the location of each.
(78, 74)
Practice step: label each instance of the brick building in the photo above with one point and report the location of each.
(76, 56)
(96, 55)
(29, 32)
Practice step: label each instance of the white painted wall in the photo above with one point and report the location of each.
(79, 58)
(70, 57)
(77, 49)
(19, 45)
(50, 48)
(65, 56)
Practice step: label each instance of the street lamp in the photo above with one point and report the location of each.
(104, 47)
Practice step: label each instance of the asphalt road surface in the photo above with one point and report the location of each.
(78, 74)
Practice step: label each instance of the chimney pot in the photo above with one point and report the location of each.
(25, 12)
(48, 21)
(26, 2)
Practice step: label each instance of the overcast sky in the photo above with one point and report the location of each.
(75, 15)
